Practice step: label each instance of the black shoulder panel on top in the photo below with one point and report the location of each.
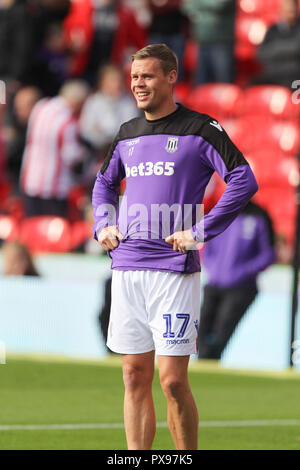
(109, 155)
(216, 135)
(133, 128)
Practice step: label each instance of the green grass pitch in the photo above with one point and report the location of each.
(35, 392)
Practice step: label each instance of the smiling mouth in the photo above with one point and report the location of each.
(142, 95)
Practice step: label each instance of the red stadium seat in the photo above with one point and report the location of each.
(238, 132)
(9, 229)
(287, 229)
(272, 13)
(250, 33)
(281, 205)
(272, 137)
(190, 56)
(13, 206)
(5, 192)
(277, 200)
(251, 7)
(268, 10)
(274, 170)
(46, 234)
(270, 101)
(76, 201)
(81, 232)
(213, 192)
(181, 92)
(220, 100)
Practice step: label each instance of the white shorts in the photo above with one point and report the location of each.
(154, 310)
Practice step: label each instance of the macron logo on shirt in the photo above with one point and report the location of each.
(217, 125)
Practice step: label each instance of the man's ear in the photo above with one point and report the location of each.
(173, 77)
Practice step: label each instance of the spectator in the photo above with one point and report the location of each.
(169, 26)
(52, 148)
(50, 65)
(279, 53)
(17, 260)
(232, 274)
(105, 111)
(15, 128)
(44, 13)
(213, 23)
(15, 43)
(99, 31)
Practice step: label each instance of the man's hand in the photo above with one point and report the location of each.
(181, 241)
(109, 237)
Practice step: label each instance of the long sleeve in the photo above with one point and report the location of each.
(105, 192)
(223, 156)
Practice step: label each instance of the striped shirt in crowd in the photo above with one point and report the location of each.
(52, 147)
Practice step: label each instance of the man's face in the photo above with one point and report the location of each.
(289, 10)
(149, 85)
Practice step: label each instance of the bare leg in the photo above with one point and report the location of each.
(182, 410)
(139, 415)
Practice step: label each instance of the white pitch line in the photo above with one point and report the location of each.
(258, 422)
(202, 424)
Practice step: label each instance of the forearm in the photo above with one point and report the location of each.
(104, 201)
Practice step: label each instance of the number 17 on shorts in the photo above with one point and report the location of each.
(179, 334)
(169, 333)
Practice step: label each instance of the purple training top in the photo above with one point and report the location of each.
(168, 163)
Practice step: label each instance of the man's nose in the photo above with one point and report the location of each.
(140, 81)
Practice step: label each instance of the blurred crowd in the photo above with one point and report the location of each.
(65, 66)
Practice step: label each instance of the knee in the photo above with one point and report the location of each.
(173, 387)
(136, 378)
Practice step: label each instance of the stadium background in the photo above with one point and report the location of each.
(57, 313)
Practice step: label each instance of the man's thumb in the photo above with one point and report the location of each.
(170, 239)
